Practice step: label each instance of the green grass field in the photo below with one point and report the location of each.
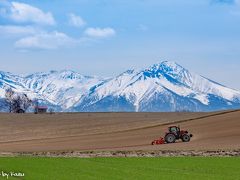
(121, 168)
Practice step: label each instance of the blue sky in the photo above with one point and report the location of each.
(107, 37)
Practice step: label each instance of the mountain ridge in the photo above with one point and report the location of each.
(165, 86)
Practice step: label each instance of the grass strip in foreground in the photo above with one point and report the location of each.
(35, 168)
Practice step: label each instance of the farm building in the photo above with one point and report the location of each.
(41, 109)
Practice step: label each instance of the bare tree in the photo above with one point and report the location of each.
(17, 102)
(8, 97)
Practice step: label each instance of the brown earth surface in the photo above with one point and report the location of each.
(78, 132)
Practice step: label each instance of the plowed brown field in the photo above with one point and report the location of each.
(116, 131)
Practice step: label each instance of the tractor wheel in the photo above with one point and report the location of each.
(185, 138)
(170, 138)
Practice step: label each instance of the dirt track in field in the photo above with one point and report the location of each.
(116, 131)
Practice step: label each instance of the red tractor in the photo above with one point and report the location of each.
(174, 133)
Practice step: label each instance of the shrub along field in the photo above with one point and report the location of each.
(35, 168)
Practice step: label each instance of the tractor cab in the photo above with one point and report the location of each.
(175, 130)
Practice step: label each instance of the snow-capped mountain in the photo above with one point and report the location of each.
(166, 86)
(59, 89)
(162, 87)
(63, 88)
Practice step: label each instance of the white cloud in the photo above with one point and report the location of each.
(10, 30)
(75, 20)
(100, 32)
(24, 13)
(53, 40)
(31, 35)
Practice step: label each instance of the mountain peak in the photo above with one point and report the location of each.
(164, 68)
(69, 74)
(171, 64)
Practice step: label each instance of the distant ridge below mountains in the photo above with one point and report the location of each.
(166, 86)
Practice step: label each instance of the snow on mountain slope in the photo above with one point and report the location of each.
(166, 86)
(163, 79)
(15, 82)
(197, 82)
(63, 88)
(8, 80)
